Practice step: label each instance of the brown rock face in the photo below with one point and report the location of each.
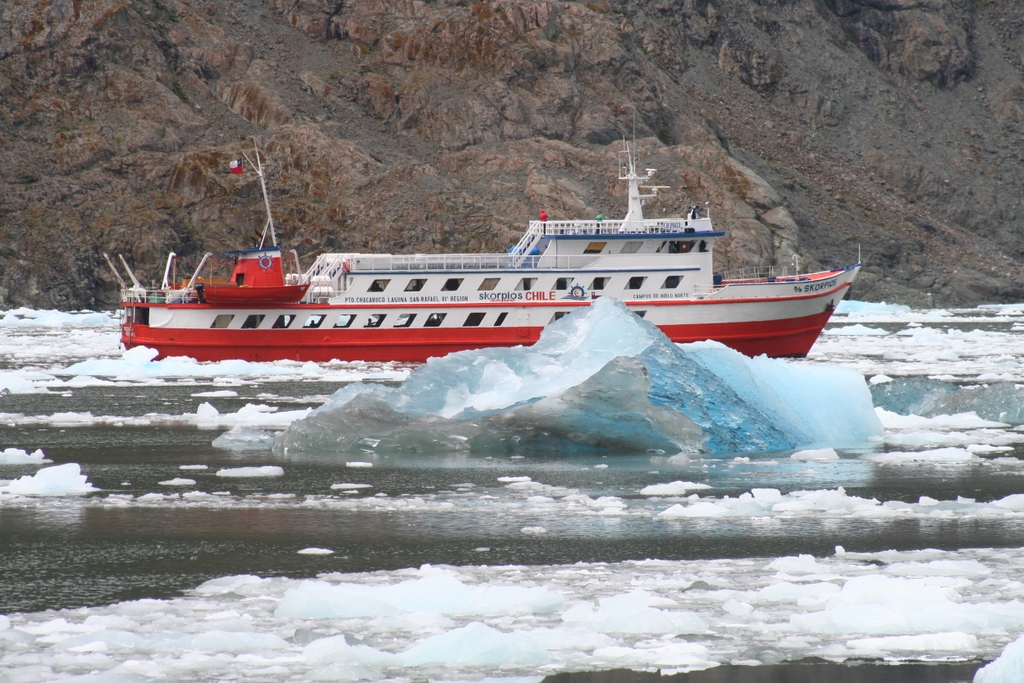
(813, 129)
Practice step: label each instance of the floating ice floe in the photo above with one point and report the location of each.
(60, 480)
(206, 417)
(16, 456)
(1007, 668)
(243, 438)
(444, 623)
(599, 379)
(22, 382)
(140, 364)
(675, 488)
(857, 331)
(27, 317)
(816, 455)
(852, 307)
(937, 456)
(263, 471)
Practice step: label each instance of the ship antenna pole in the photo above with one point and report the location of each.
(269, 225)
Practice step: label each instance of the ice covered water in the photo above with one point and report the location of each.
(467, 622)
(600, 379)
(944, 468)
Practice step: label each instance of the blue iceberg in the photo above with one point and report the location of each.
(598, 380)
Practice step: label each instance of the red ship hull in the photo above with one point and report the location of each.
(777, 337)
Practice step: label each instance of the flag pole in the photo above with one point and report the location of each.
(269, 225)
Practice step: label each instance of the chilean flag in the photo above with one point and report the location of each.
(237, 167)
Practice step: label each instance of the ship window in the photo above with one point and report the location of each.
(434, 320)
(474, 320)
(345, 320)
(451, 284)
(635, 282)
(563, 283)
(405, 320)
(501, 318)
(379, 285)
(599, 283)
(595, 247)
(283, 322)
(314, 321)
(253, 321)
(631, 247)
(141, 316)
(489, 284)
(221, 321)
(375, 320)
(640, 314)
(415, 285)
(672, 281)
(526, 284)
(240, 279)
(559, 315)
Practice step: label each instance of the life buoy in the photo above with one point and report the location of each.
(266, 262)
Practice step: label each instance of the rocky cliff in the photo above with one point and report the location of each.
(815, 129)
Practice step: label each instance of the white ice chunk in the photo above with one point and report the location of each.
(970, 568)
(926, 642)
(816, 455)
(803, 594)
(477, 644)
(1007, 668)
(263, 471)
(676, 488)
(178, 481)
(16, 456)
(242, 438)
(969, 420)
(877, 604)
(857, 330)
(694, 510)
(632, 613)
(436, 592)
(936, 456)
(61, 480)
(851, 307)
(315, 551)
(337, 650)
(803, 564)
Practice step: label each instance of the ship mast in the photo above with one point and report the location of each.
(634, 219)
(268, 227)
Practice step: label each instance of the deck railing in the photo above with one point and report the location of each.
(469, 262)
(760, 274)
